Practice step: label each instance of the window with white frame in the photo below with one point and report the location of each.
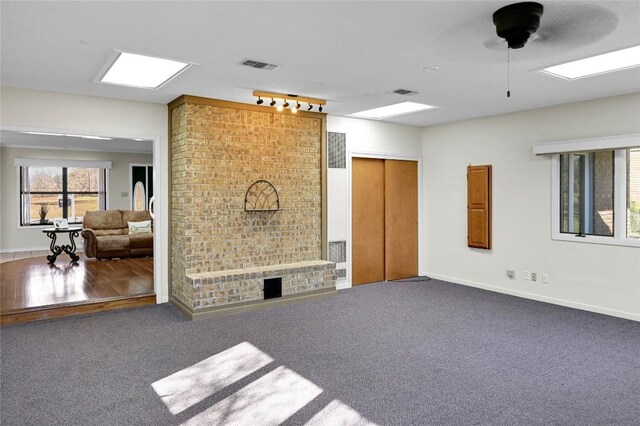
(50, 190)
(596, 193)
(586, 193)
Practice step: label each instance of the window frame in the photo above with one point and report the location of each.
(64, 165)
(619, 237)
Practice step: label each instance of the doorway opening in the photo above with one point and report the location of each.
(77, 245)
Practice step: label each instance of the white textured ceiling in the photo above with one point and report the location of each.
(354, 54)
(24, 140)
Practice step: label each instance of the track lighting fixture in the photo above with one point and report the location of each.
(295, 107)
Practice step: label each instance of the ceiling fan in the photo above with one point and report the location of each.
(517, 22)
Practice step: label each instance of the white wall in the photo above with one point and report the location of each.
(594, 277)
(65, 113)
(370, 138)
(14, 238)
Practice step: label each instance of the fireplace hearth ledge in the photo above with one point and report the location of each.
(216, 290)
(240, 307)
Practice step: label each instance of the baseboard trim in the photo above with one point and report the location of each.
(253, 305)
(539, 298)
(20, 250)
(343, 285)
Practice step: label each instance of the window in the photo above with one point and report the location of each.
(597, 196)
(633, 193)
(53, 192)
(586, 193)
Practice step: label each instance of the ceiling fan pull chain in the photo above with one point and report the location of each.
(508, 77)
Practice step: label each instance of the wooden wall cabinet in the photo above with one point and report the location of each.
(479, 207)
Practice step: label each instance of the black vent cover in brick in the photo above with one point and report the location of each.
(272, 288)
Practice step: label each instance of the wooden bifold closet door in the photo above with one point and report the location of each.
(367, 213)
(384, 220)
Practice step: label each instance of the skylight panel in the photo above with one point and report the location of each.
(392, 110)
(595, 65)
(130, 69)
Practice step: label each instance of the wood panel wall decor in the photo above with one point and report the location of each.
(479, 206)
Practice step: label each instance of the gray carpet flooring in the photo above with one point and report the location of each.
(401, 353)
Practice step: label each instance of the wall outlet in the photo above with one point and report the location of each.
(545, 278)
(511, 273)
(534, 276)
(527, 275)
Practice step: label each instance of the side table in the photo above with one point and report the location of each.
(57, 250)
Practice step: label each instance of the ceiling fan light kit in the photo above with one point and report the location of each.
(517, 22)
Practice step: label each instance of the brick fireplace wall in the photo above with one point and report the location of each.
(218, 149)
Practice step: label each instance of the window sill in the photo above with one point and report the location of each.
(39, 226)
(593, 239)
(47, 225)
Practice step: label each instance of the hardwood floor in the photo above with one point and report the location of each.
(31, 285)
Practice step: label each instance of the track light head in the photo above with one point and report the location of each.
(286, 101)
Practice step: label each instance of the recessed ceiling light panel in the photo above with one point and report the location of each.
(148, 72)
(595, 65)
(68, 135)
(392, 110)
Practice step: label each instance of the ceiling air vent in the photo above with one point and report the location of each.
(260, 65)
(404, 92)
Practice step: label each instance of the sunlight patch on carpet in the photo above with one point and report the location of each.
(267, 401)
(193, 384)
(337, 413)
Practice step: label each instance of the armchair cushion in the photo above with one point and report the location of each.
(105, 219)
(113, 242)
(141, 240)
(104, 232)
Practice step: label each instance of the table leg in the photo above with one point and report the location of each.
(71, 249)
(55, 250)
